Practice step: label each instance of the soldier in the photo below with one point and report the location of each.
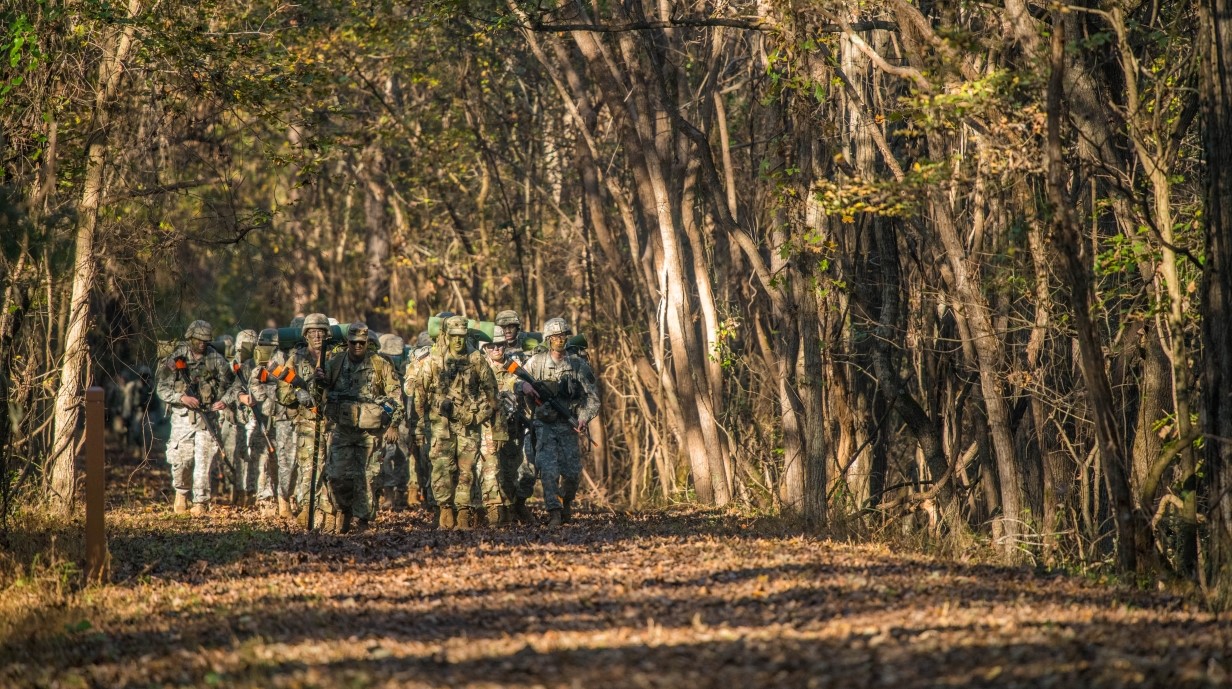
(420, 480)
(239, 424)
(557, 456)
(454, 394)
(301, 406)
(271, 426)
(364, 402)
(395, 474)
(515, 339)
(196, 383)
(501, 440)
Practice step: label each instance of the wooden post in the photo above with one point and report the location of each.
(97, 560)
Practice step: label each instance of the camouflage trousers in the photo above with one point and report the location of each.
(191, 451)
(237, 439)
(559, 462)
(350, 470)
(421, 477)
(304, 448)
(453, 453)
(274, 476)
(498, 474)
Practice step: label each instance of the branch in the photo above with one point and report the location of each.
(166, 188)
(746, 24)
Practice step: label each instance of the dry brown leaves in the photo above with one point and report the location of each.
(684, 598)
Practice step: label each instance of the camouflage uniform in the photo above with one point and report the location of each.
(420, 479)
(302, 411)
(271, 425)
(501, 440)
(363, 401)
(557, 456)
(191, 449)
(395, 472)
(454, 393)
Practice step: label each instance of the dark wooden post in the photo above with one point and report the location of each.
(97, 560)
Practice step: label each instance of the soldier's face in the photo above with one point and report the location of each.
(315, 338)
(196, 346)
(457, 344)
(557, 343)
(511, 334)
(356, 349)
(496, 353)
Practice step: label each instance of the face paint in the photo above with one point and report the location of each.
(457, 344)
(557, 343)
(315, 338)
(196, 346)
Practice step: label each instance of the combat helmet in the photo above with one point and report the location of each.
(314, 321)
(556, 326)
(199, 330)
(267, 344)
(391, 345)
(508, 317)
(245, 341)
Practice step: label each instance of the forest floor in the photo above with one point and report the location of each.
(678, 598)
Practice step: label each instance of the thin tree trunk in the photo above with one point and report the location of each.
(74, 371)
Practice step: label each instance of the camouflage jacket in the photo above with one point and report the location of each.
(304, 363)
(265, 392)
(448, 393)
(507, 421)
(371, 381)
(210, 377)
(571, 380)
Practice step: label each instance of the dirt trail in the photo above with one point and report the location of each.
(681, 599)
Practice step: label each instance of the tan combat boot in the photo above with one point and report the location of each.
(447, 520)
(200, 509)
(464, 519)
(181, 504)
(553, 517)
(284, 507)
(496, 515)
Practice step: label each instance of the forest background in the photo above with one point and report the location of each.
(958, 269)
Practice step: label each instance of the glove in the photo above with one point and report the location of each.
(391, 434)
(446, 409)
(303, 398)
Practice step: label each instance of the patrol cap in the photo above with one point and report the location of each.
(357, 332)
(424, 340)
(391, 344)
(455, 325)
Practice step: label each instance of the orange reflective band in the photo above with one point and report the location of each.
(512, 367)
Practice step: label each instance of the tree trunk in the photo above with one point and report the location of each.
(74, 370)
(1216, 28)
(376, 245)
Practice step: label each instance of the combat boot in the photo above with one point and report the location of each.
(181, 504)
(464, 519)
(399, 500)
(520, 512)
(496, 515)
(284, 507)
(362, 525)
(345, 526)
(554, 517)
(566, 511)
(447, 520)
(200, 509)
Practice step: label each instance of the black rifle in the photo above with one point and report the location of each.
(546, 397)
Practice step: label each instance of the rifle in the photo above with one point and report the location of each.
(317, 432)
(180, 365)
(265, 425)
(546, 397)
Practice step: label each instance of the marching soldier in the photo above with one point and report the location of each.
(395, 472)
(196, 383)
(454, 394)
(501, 441)
(272, 425)
(363, 400)
(297, 397)
(570, 380)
